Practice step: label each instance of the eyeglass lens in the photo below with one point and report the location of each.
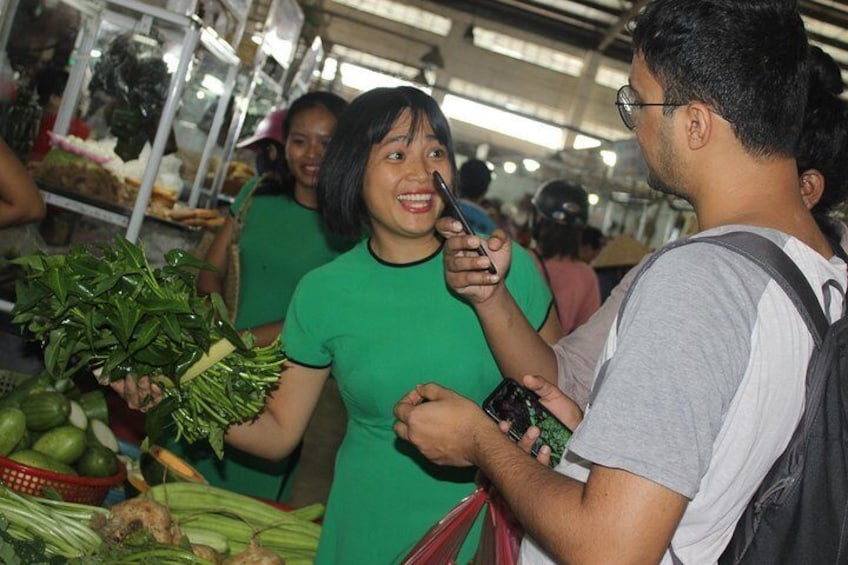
(624, 102)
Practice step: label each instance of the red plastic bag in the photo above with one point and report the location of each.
(499, 540)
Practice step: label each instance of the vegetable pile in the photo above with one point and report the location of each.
(64, 433)
(105, 308)
(178, 523)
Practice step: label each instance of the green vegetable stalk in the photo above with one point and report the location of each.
(112, 312)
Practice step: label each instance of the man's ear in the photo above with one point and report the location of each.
(811, 183)
(699, 125)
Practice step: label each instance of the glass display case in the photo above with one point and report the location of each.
(260, 88)
(304, 75)
(151, 86)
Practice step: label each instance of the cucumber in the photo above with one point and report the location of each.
(41, 461)
(25, 442)
(12, 429)
(101, 434)
(97, 461)
(46, 409)
(36, 383)
(77, 416)
(94, 405)
(64, 444)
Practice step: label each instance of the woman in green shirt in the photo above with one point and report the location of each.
(283, 237)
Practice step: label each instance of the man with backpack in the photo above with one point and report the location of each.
(702, 383)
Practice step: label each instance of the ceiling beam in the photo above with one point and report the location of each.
(544, 25)
(618, 27)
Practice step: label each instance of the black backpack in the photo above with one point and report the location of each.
(798, 514)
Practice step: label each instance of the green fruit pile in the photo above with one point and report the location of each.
(63, 433)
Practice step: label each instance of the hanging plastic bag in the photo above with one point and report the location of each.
(441, 544)
(499, 540)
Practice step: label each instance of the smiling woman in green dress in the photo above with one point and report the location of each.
(381, 319)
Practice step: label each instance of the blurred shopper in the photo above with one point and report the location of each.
(50, 85)
(20, 201)
(696, 346)
(474, 180)
(560, 213)
(592, 240)
(268, 144)
(616, 258)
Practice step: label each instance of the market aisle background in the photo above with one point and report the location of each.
(312, 483)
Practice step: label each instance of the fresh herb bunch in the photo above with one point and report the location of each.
(111, 311)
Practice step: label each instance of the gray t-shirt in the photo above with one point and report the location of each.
(702, 383)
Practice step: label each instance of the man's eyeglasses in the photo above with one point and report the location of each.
(627, 103)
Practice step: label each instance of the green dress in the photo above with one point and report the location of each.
(281, 241)
(383, 329)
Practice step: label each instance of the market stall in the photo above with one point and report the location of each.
(75, 481)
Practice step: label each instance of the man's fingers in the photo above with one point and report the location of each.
(449, 227)
(544, 455)
(401, 430)
(432, 391)
(528, 439)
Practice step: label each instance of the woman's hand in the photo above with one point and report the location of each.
(139, 393)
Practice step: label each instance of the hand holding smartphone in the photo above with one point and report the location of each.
(521, 407)
(455, 211)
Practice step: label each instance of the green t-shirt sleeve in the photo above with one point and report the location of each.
(303, 336)
(528, 287)
(245, 191)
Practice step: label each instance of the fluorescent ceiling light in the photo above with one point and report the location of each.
(362, 79)
(609, 157)
(509, 167)
(509, 46)
(506, 101)
(531, 165)
(585, 142)
(503, 122)
(374, 62)
(402, 13)
(610, 77)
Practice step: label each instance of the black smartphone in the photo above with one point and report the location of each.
(455, 211)
(521, 407)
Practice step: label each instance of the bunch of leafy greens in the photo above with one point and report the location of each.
(106, 308)
(14, 551)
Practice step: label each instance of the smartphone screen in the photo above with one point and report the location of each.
(521, 407)
(455, 211)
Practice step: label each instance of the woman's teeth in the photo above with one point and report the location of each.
(415, 197)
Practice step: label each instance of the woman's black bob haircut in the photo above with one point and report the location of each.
(363, 124)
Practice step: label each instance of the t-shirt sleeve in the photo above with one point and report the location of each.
(682, 348)
(303, 334)
(528, 287)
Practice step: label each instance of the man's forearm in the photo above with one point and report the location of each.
(547, 504)
(517, 348)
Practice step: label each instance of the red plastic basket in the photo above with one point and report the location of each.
(84, 490)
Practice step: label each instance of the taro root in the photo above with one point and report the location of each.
(135, 516)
